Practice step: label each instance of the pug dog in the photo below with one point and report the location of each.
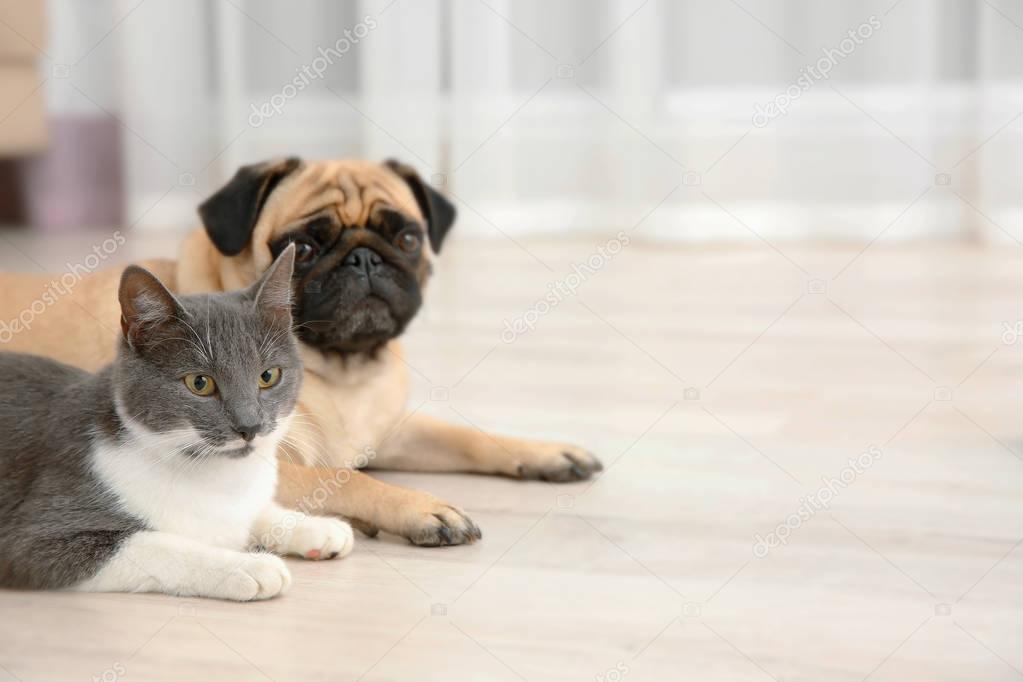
(366, 236)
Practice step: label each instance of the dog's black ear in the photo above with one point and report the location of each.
(230, 215)
(438, 211)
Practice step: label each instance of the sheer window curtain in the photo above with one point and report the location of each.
(592, 116)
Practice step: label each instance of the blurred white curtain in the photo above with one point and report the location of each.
(587, 115)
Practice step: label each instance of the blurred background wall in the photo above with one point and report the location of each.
(730, 120)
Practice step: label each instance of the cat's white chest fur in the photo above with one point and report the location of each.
(214, 500)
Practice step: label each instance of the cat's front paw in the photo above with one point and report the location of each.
(257, 576)
(319, 537)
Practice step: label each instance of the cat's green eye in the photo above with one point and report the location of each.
(270, 377)
(200, 384)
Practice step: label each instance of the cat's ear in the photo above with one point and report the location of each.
(272, 292)
(146, 306)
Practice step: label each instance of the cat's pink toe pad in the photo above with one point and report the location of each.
(312, 554)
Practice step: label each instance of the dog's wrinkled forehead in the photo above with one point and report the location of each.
(354, 192)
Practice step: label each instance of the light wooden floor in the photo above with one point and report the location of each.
(649, 573)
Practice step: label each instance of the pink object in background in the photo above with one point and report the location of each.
(76, 183)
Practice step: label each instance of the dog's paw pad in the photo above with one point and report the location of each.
(443, 525)
(559, 464)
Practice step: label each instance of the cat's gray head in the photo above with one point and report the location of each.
(218, 371)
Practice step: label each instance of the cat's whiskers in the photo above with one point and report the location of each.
(201, 453)
(305, 451)
(301, 460)
(307, 418)
(300, 325)
(167, 446)
(208, 357)
(288, 442)
(160, 438)
(271, 339)
(209, 342)
(263, 345)
(282, 450)
(309, 438)
(309, 422)
(161, 457)
(309, 425)
(171, 440)
(190, 342)
(161, 460)
(303, 446)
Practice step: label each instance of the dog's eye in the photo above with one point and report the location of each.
(408, 241)
(304, 252)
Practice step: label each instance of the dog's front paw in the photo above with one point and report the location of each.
(429, 522)
(318, 537)
(257, 576)
(556, 462)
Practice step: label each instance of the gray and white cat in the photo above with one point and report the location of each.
(158, 473)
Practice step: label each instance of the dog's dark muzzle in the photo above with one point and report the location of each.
(361, 301)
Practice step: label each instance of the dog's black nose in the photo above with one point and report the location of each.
(247, 432)
(363, 258)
